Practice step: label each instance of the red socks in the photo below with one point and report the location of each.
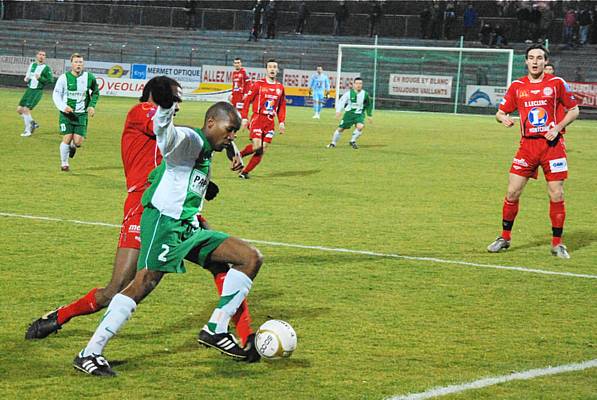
(557, 214)
(83, 306)
(242, 318)
(509, 212)
(247, 150)
(255, 160)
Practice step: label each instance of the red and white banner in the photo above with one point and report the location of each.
(296, 81)
(223, 74)
(585, 93)
(120, 86)
(420, 85)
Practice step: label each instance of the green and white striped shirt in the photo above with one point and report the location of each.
(77, 92)
(179, 183)
(43, 71)
(356, 103)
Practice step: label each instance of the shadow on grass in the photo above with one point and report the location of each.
(285, 174)
(574, 240)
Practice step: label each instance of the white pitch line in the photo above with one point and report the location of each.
(481, 383)
(341, 250)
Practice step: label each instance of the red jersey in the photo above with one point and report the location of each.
(240, 83)
(138, 146)
(540, 104)
(268, 99)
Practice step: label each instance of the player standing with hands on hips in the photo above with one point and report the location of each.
(537, 97)
(75, 96)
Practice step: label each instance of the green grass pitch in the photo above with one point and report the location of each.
(369, 327)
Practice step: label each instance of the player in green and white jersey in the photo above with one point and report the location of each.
(169, 233)
(75, 95)
(37, 76)
(355, 103)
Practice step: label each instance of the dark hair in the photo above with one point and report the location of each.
(550, 65)
(40, 51)
(75, 55)
(536, 46)
(270, 60)
(221, 110)
(156, 80)
(237, 58)
(358, 78)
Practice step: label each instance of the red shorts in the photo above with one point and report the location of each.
(130, 233)
(533, 153)
(261, 127)
(237, 101)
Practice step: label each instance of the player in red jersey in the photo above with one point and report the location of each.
(140, 155)
(537, 97)
(268, 100)
(240, 85)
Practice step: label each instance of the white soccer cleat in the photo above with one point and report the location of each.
(560, 251)
(498, 245)
(26, 134)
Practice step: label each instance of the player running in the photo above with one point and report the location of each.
(37, 76)
(140, 155)
(268, 100)
(537, 97)
(169, 233)
(240, 84)
(319, 87)
(75, 95)
(354, 102)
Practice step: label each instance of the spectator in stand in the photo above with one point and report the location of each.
(303, 15)
(584, 22)
(257, 11)
(191, 11)
(482, 78)
(375, 14)
(594, 26)
(271, 15)
(340, 17)
(499, 36)
(470, 20)
(569, 24)
(522, 15)
(449, 20)
(425, 19)
(579, 76)
(535, 22)
(436, 21)
(547, 17)
(486, 34)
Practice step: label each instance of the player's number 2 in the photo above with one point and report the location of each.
(162, 256)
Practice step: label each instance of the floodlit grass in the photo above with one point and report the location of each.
(369, 327)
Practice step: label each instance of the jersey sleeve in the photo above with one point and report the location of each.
(327, 83)
(368, 104)
(28, 73)
(508, 103)
(249, 99)
(177, 144)
(94, 89)
(46, 75)
(566, 96)
(342, 101)
(59, 94)
(311, 82)
(282, 108)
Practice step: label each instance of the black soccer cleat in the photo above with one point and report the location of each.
(252, 353)
(34, 126)
(44, 326)
(354, 145)
(224, 342)
(93, 365)
(244, 175)
(72, 151)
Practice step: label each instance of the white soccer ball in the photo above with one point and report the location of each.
(275, 339)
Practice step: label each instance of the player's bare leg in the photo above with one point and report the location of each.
(516, 184)
(355, 135)
(75, 144)
(258, 148)
(557, 215)
(335, 138)
(245, 262)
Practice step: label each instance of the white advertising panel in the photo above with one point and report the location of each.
(420, 85)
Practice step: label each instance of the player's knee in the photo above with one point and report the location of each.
(260, 151)
(556, 195)
(253, 262)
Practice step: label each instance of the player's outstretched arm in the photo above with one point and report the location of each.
(504, 119)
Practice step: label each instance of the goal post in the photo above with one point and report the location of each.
(418, 78)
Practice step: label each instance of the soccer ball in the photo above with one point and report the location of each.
(275, 339)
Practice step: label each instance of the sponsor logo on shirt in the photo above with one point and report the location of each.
(520, 161)
(523, 93)
(535, 103)
(558, 165)
(503, 101)
(535, 91)
(134, 229)
(567, 86)
(547, 91)
(537, 116)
